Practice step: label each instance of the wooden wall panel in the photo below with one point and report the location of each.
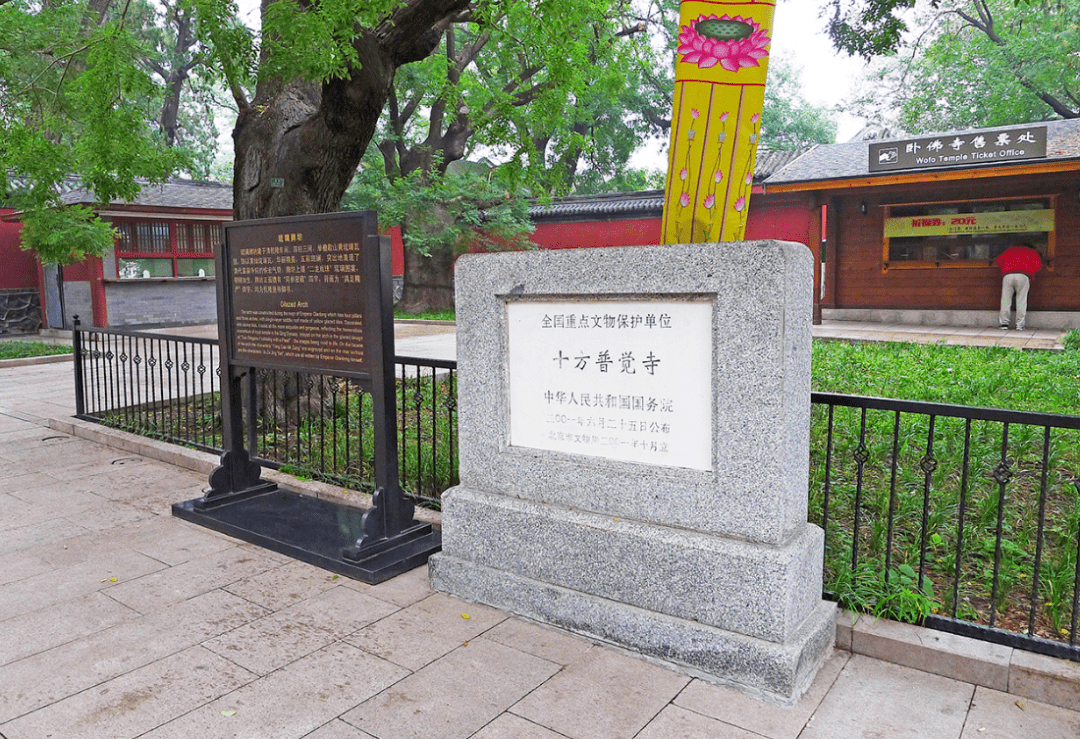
(861, 284)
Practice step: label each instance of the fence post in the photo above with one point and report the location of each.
(76, 343)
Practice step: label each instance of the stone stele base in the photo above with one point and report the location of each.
(709, 564)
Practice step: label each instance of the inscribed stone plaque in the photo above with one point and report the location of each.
(298, 294)
(622, 380)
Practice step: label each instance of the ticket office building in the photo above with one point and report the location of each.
(914, 241)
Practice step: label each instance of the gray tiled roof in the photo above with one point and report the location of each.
(842, 161)
(644, 203)
(172, 194)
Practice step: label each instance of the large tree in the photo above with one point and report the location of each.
(310, 88)
(980, 63)
(87, 88)
(542, 102)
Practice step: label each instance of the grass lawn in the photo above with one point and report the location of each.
(445, 315)
(21, 349)
(981, 376)
(907, 496)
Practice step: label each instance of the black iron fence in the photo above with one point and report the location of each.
(317, 426)
(964, 519)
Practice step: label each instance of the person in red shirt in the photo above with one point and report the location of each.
(1018, 264)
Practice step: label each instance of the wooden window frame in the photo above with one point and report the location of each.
(887, 266)
(173, 254)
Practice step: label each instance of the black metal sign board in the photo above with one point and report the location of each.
(300, 293)
(310, 294)
(988, 146)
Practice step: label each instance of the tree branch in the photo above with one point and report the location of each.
(412, 32)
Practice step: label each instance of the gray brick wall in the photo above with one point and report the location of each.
(165, 303)
(77, 302)
(20, 311)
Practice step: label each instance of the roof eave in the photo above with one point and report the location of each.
(935, 175)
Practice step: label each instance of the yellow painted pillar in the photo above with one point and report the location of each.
(720, 69)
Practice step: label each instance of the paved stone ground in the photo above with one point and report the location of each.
(119, 621)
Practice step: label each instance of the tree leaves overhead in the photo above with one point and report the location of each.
(868, 28)
(543, 84)
(788, 122)
(80, 98)
(981, 63)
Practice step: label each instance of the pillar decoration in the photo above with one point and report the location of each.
(720, 69)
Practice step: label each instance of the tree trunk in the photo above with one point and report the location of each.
(298, 144)
(429, 280)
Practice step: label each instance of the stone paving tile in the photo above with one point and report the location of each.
(50, 588)
(52, 626)
(997, 715)
(53, 675)
(136, 702)
(455, 696)
(160, 501)
(26, 481)
(875, 698)
(53, 532)
(740, 709)
(285, 585)
(294, 632)
(158, 537)
(22, 565)
(16, 513)
(146, 536)
(32, 435)
(110, 464)
(150, 478)
(554, 645)
(291, 702)
(425, 631)
(403, 590)
(12, 425)
(76, 454)
(604, 694)
(173, 541)
(61, 499)
(679, 723)
(194, 577)
(509, 726)
(338, 729)
(107, 516)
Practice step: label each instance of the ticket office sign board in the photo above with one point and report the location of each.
(304, 293)
(624, 380)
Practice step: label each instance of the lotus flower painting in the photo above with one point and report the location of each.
(720, 68)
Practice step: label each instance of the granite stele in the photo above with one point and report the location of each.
(634, 449)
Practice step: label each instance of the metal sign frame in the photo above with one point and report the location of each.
(252, 270)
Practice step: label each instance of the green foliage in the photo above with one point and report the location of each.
(436, 315)
(1071, 340)
(293, 32)
(879, 506)
(550, 88)
(788, 122)
(22, 349)
(455, 212)
(980, 64)
(896, 597)
(76, 102)
(868, 28)
(990, 377)
(65, 235)
(593, 181)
